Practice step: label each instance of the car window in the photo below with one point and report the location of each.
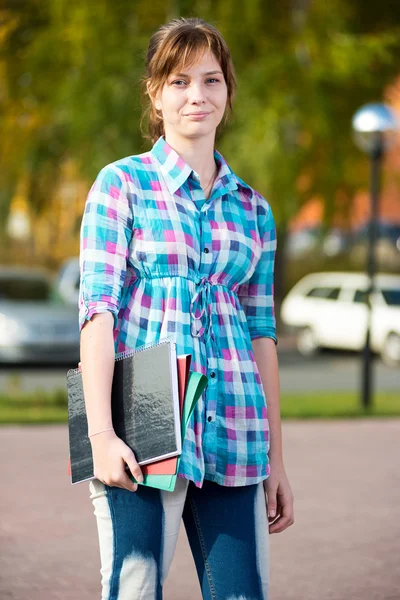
(328, 293)
(392, 296)
(361, 296)
(18, 288)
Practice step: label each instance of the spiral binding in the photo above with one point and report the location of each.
(127, 353)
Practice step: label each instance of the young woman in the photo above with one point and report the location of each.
(173, 241)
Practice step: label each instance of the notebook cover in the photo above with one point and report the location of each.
(168, 466)
(145, 408)
(196, 386)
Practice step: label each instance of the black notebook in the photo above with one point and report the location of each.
(144, 406)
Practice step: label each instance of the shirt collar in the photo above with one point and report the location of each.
(176, 171)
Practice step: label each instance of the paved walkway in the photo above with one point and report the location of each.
(344, 545)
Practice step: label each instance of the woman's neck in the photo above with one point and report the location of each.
(198, 153)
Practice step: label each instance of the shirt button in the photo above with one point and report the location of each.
(212, 374)
(209, 419)
(206, 250)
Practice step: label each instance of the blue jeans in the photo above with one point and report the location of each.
(227, 530)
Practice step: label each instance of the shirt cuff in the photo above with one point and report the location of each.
(264, 331)
(90, 308)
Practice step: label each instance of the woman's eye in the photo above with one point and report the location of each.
(182, 82)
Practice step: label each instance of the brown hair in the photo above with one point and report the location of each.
(181, 42)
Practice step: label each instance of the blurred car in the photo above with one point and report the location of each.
(34, 327)
(387, 244)
(301, 242)
(309, 241)
(67, 281)
(328, 310)
(336, 241)
(385, 231)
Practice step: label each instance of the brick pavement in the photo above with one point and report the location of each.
(344, 545)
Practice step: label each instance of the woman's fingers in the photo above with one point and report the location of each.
(121, 479)
(127, 483)
(280, 499)
(272, 503)
(285, 519)
(134, 468)
(111, 459)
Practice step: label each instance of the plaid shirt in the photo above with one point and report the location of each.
(164, 266)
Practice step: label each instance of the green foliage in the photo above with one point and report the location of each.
(72, 71)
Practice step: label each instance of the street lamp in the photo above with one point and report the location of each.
(374, 127)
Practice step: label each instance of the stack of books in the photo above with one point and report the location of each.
(153, 396)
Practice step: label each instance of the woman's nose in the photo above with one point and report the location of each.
(196, 94)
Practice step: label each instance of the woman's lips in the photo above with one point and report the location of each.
(198, 116)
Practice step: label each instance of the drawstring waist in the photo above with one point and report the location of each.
(202, 301)
(201, 324)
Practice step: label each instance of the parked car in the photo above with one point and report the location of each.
(34, 327)
(329, 310)
(335, 242)
(67, 281)
(309, 241)
(302, 242)
(385, 231)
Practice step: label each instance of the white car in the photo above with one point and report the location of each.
(329, 310)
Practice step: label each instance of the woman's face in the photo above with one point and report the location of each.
(193, 100)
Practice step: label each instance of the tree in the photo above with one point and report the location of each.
(72, 90)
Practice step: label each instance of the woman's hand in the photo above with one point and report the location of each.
(110, 454)
(280, 499)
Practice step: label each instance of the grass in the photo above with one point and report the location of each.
(43, 407)
(36, 407)
(331, 405)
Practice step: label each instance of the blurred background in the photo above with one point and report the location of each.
(70, 103)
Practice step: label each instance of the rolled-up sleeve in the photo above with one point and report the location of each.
(105, 236)
(256, 295)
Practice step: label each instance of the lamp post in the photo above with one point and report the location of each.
(374, 127)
